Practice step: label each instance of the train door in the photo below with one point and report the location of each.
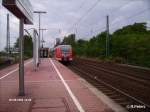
(44, 53)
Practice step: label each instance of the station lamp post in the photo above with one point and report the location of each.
(39, 13)
(42, 41)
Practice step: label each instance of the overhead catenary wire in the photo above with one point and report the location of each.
(111, 13)
(130, 17)
(82, 4)
(91, 8)
(118, 9)
(122, 6)
(85, 14)
(127, 18)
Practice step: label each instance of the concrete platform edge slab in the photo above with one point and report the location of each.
(114, 106)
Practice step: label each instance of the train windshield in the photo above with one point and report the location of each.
(65, 49)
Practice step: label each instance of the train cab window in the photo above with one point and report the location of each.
(65, 49)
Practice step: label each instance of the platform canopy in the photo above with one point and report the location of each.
(21, 9)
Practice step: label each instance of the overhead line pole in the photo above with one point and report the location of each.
(107, 36)
(39, 12)
(8, 37)
(42, 36)
(76, 32)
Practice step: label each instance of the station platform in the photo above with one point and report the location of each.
(51, 88)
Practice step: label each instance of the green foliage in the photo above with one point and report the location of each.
(130, 44)
(132, 47)
(80, 47)
(28, 46)
(137, 28)
(69, 40)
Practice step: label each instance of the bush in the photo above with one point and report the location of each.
(119, 60)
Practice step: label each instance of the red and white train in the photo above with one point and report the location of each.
(63, 53)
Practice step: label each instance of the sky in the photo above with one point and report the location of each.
(85, 18)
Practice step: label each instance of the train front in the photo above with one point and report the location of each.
(64, 53)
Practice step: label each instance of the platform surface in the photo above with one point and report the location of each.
(52, 88)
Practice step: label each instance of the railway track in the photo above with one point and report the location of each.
(130, 91)
(132, 72)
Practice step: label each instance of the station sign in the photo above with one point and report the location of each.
(21, 9)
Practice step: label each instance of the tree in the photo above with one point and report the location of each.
(28, 45)
(130, 43)
(69, 40)
(80, 48)
(138, 28)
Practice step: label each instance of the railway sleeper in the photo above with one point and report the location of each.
(119, 100)
(125, 103)
(106, 90)
(114, 96)
(110, 93)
